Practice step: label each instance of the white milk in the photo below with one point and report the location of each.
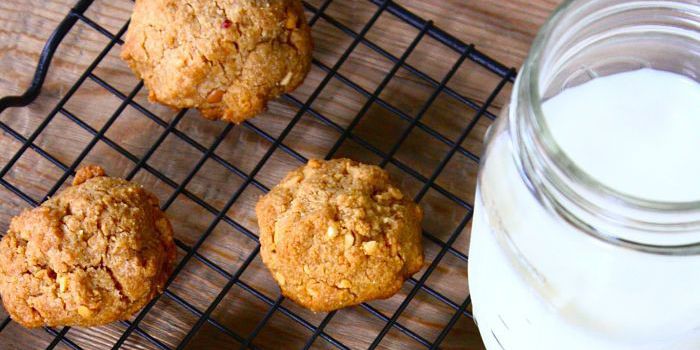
(637, 132)
(554, 287)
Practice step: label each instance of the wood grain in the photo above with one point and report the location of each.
(502, 29)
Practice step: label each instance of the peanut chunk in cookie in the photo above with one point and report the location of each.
(349, 240)
(370, 248)
(332, 231)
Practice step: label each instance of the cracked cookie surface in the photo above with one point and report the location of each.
(227, 58)
(336, 233)
(95, 253)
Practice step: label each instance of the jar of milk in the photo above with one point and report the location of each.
(586, 232)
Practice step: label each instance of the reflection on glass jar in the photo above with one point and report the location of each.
(586, 232)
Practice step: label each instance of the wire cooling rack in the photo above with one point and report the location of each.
(150, 328)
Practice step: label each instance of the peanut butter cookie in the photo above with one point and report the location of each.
(95, 253)
(336, 233)
(227, 58)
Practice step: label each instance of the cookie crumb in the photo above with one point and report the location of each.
(395, 193)
(86, 173)
(314, 163)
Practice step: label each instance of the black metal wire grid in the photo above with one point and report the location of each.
(425, 28)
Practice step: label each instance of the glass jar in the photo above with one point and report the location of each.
(559, 260)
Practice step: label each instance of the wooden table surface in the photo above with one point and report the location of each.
(501, 29)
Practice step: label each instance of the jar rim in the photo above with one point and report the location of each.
(528, 87)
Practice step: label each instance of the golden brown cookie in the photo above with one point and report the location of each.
(93, 254)
(227, 58)
(336, 233)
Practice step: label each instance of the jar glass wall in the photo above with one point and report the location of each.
(558, 259)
